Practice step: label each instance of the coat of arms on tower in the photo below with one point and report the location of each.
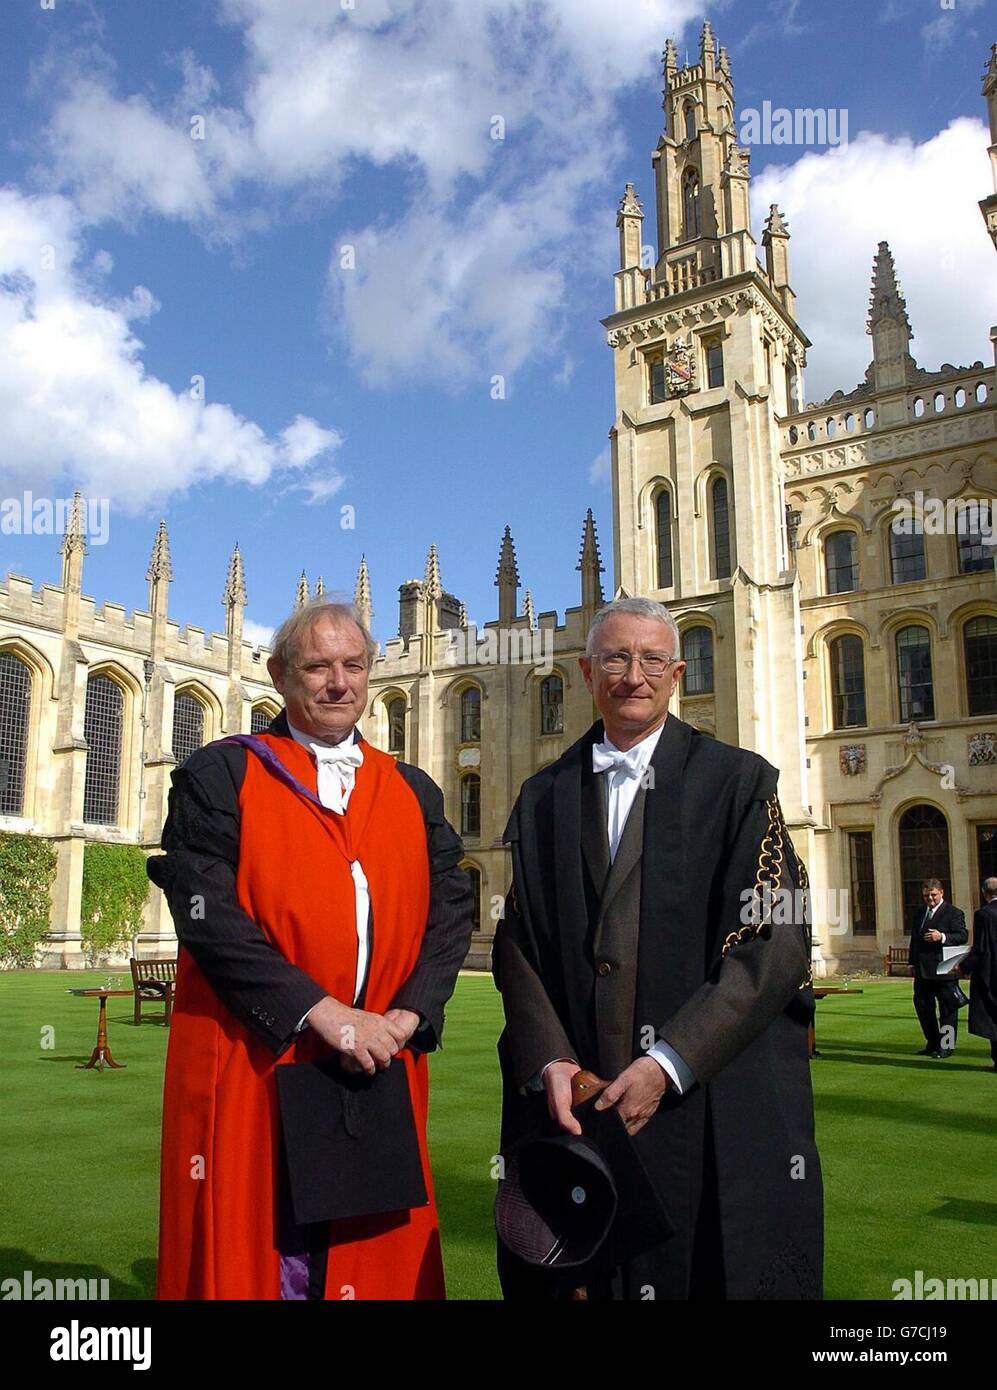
(680, 368)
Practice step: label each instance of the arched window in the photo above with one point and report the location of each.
(974, 552)
(15, 709)
(552, 705)
(663, 520)
(906, 555)
(470, 715)
(914, 685)
(690, 121)
(980, 645)
(103, 720)
(869, 418)
(690, 204)
(474, 876)
(924, 853)
(259, 719)
(721, 529)
(188, 726)
(697, 653)
(841, 567)
(396, 725)
(847, 681)
(470, 805)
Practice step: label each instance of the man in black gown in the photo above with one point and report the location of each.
(627, 949)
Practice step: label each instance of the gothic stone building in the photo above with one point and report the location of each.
(859, 658)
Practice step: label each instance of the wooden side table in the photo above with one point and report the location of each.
(101, 1055)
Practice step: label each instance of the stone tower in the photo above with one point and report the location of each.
(707, 356)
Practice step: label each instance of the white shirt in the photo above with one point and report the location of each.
(622, 784)
(335, 784)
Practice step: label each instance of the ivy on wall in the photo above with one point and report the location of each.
(27, 868)
(115, 887)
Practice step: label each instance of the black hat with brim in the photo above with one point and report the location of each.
(583, 1202)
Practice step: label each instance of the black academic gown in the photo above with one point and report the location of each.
(981, 966)
(734, 1159)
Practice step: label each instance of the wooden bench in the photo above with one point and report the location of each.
(895, 962)
(154, 981)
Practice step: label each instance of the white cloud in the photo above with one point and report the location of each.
(601, 467)
(260, 634)
(922, 199)
(450, 296)
(75, 399)
(940, 33)
(305, 441)
(121, 158)
(458, 285)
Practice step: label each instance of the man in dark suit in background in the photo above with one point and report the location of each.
(981, 966)
(939, 925)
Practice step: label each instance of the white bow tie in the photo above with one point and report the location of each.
(612, 760)
(345, 755)
(336, 771)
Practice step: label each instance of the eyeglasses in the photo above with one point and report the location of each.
(652, 664)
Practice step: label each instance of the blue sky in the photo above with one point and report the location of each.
(370, 126)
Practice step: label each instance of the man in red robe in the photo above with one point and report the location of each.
(322, 916)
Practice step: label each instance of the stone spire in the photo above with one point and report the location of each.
(320, 587)
(723, 62)
(528, 611)
(432, 592)
(775, 239)
(591, 566)
(361, 594)
(301, 595)
(432, 585)
(234, 593)
(888, 326)
(628, 220)
(887, 301)
(669, 58)
(160, 571)
(988, 206)
(72, 550)
(507, 580)
(707, 49)
(74, 542)
(234, 603)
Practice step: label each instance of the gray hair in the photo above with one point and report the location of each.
(990, 887)
(287, 639)
(640, 608)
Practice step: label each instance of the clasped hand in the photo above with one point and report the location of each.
(365, 1041)
(635, 1093)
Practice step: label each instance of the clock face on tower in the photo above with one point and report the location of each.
(680, 368)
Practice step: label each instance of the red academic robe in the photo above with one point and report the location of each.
(220, 1151)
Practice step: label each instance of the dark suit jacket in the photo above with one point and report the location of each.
(258, 984)
(925, 956)
(981, 966)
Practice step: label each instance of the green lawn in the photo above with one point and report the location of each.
(906, 1142)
